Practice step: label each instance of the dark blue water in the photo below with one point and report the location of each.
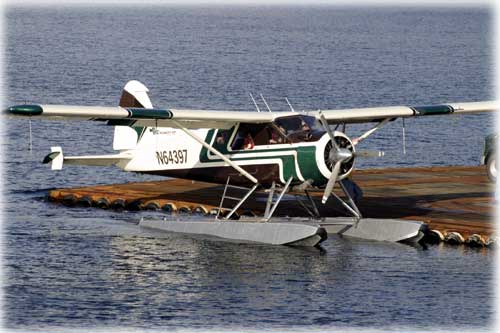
(68, 267)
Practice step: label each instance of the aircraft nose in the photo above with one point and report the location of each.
(24, 110)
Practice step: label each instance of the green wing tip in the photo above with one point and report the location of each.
(25, 110)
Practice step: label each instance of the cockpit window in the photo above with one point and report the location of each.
(283, 130)
(298, 127)
(250, 135)
(222, 138)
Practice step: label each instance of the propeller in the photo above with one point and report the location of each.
(337, 156)
(324, 122)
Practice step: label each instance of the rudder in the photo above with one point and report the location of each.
(134, 94)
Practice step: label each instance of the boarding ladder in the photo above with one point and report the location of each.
(233, 197)
(273, 200)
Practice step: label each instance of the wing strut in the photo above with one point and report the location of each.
(216, 152)
(369, 132)
(271, 209)
(351, 206)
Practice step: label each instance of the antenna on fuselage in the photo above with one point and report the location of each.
(289, 104)
(267, 105)
(254, 102)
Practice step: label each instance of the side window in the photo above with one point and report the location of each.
(250, 135)
(276, 135)
(239, 138)
(289, 124)
(297, 128)
(263, 136)
(270, 135)
(222, 139)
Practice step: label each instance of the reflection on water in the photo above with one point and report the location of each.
(106, 271)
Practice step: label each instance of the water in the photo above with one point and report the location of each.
(68, 267)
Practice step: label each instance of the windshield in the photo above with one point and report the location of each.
(296, 124)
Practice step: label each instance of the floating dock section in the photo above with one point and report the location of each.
(457, 203)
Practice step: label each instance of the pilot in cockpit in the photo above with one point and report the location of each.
(275, 136)
(248, 143)
(305, 126)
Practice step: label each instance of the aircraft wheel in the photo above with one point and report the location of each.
(491, 167)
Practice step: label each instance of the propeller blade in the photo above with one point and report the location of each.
(369, 153)
(331, 182)
(324, 122)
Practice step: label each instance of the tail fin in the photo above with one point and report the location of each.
(135, 94)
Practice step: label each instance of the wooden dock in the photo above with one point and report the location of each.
(457, 203)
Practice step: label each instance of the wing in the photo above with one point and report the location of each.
(143, 117)
(380, 113)
(225, 119)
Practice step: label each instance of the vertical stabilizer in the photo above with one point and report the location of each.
(135, 94)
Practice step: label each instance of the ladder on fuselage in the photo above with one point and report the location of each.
(233, 197)
(273, 200)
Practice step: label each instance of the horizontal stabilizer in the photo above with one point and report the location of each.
(57, 159)
(97, 160)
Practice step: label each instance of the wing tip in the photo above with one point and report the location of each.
(24, 110)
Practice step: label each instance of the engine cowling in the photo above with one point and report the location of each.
(324, 155)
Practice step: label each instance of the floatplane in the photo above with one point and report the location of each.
(249, 151)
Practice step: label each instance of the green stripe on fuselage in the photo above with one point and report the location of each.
(306, 159)
(307, 163)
